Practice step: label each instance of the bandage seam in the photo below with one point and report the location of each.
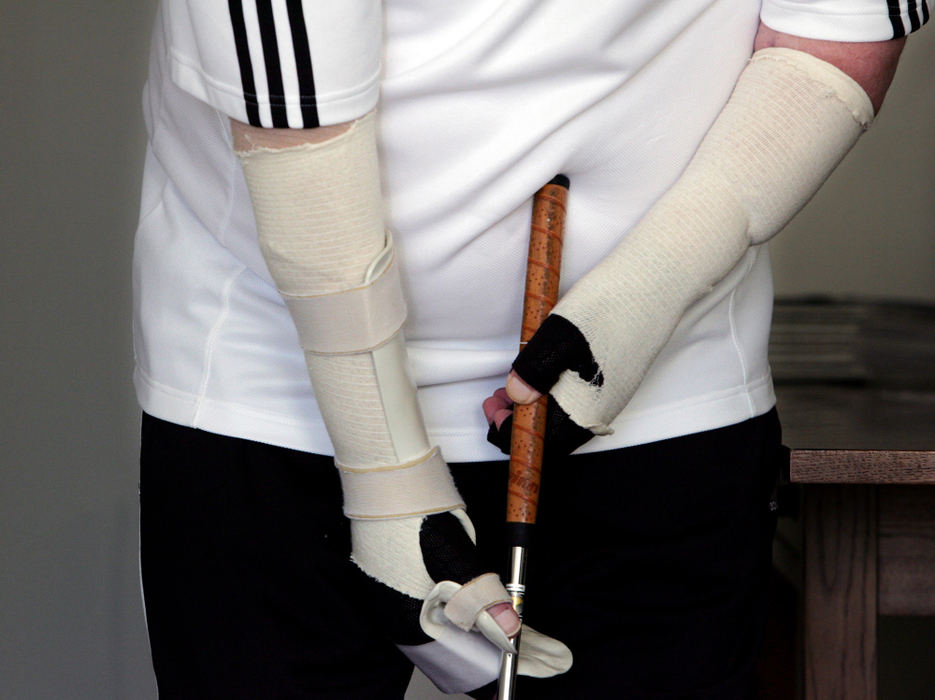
(355, 320)
(779, 55)
(389, 468)
(384, 493)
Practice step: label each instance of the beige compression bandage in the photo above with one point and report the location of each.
(319, 215)
(790, 120)
(318, 210)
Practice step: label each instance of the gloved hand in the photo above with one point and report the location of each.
(562, 435)
(790, 120)
(439, 605)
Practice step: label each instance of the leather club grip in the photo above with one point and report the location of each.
(542, 277)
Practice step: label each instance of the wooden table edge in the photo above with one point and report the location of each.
(848, 466)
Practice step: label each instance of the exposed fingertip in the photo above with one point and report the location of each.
(490, 406)
(500, 416)
(507, 618)
(503, 396)
(494, 633)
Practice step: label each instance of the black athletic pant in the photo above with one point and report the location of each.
(651, 563)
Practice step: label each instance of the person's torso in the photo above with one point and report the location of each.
(480, 104)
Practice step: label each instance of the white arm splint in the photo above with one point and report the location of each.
(790, 120)
(319, 215)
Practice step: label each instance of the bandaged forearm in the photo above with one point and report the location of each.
(319, 215)
(788, 123)
(318, 211)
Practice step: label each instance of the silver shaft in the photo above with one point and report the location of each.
(516, 587)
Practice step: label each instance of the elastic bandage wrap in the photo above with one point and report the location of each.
(789, 121)
(318, 211)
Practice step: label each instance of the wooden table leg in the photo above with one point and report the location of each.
(840, 524)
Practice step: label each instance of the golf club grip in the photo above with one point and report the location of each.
(542, 277)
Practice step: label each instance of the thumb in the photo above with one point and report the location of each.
(520, 391)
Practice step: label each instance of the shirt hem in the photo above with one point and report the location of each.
(228, 418)
(675, 419)
(694, 415)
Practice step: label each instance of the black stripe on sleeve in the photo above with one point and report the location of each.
(914, 21)
(896, 18)
(303, 63)
(277, 99)
(243, 58)
(925, 11)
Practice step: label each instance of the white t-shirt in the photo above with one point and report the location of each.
(479, 104)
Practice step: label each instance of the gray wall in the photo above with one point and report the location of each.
(72, 142)
(70, 619)
(870, 231)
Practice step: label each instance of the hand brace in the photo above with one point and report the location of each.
(318, 210)
(789, 121)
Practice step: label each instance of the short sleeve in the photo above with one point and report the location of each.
(846, 20)
(278, 63)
